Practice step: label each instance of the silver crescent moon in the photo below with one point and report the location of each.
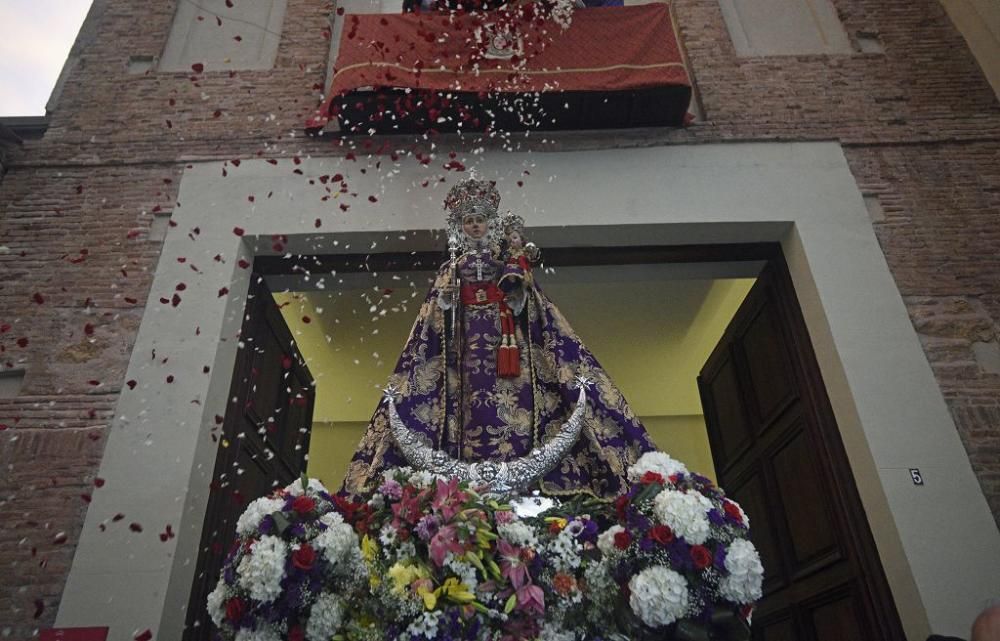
(497, 478)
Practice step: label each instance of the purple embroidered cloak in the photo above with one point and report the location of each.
(449, 391)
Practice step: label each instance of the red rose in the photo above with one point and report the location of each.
(651, 477)
(234, 610)
(661, 534)
(732, 511)
(303, 505)
(304, 557)
(295, 633)
(620, 504)
(701, 556)
(622, 539)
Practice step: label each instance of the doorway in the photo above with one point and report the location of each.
(347, 319)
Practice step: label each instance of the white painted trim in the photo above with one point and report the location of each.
(938, 542)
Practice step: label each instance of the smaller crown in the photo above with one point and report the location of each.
(511, 221)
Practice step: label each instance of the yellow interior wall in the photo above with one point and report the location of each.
(651, 335)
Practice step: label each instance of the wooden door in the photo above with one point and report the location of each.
(777, 451)
(263, 442)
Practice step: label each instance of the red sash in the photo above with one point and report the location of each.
(508, 354)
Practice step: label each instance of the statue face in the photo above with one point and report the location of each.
(515, 239)
(474, 226)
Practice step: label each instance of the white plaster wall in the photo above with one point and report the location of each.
(205, 32)
(890, 411)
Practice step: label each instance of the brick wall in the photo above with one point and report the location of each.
(919, 124)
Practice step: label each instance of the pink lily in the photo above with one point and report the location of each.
(443, 542)
(530, 598)
(449, 499)
(408, 507)
(512, 566)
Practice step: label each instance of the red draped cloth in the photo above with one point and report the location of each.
(605, 49)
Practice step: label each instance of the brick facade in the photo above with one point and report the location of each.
(919, 124)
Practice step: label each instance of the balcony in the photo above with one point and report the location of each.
(614, 67)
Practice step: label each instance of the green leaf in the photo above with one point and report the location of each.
(511, 602)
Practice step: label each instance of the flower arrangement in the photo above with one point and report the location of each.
(447, 563)
(430, 558)
(680, 554)
(294, 570)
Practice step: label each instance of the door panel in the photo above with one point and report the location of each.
(733, 434)
(837, 621)
(812, 533)
(766, 358)
(777, 450)
(752, 495)
(265, 439)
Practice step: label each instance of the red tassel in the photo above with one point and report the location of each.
(515, 361)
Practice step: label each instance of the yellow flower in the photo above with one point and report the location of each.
(369, 548)
(456, 591)
(560, 523)
(424, 591)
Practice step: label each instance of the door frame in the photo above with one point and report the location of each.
(844, 499)
(888, 404)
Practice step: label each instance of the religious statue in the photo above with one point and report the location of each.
(492, 373)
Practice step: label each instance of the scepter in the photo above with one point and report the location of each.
(452, 252)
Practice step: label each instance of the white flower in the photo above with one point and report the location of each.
(422, 479)
(249, 521)
(606, 540)
(261, 571)
(338, 544)
(564, 551)
(387, 535)
(551, 632)
(325, 617)
(685, 514)
(659, 462)
(518, 533)
(659, 596)
(465, 572)
(426, 625)
(331, 518)
(215, 600)
(295, 488)
(263, 633)
(742, 584)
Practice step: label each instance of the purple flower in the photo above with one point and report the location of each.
(719, 559)
(715, 517)
(392, 489)
(680, 556)
(427, 527)
(589, 533)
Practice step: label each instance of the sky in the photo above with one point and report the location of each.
(35, 38)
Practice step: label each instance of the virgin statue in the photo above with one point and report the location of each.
(491, 370)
